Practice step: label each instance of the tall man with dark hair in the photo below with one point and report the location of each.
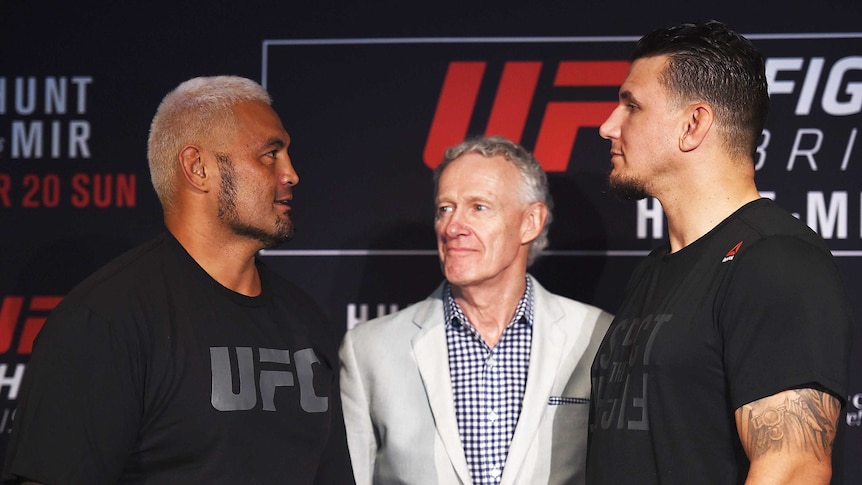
(186, 360)
(727, 361)
(486, 381)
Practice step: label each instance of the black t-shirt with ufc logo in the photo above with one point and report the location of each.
(152, 372)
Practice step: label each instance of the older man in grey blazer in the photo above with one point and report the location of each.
(487, 380)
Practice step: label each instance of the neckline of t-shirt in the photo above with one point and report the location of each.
(205, 279)
(704, 240)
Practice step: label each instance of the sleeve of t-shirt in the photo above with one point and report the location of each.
(785, 322)
(80, 404)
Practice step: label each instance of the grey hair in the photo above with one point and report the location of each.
(198, 111)
(534, 181)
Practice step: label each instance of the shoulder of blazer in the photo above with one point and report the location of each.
(574, 311)
(402, 321)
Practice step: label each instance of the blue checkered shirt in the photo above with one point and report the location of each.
(488, 384)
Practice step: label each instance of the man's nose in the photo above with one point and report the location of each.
(611, 127)
(455, 224)
(286, 173)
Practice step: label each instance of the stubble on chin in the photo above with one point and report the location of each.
(627, 188)
(284, 231)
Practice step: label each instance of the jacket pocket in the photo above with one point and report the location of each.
(562, 400)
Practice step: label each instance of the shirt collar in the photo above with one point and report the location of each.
(455, 316)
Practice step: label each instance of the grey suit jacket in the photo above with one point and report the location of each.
(398, 404)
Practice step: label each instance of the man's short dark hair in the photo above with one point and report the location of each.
(709, 62)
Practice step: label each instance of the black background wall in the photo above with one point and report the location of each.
(370, 94)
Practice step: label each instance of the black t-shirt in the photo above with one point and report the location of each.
(754, 307)
(152, 372)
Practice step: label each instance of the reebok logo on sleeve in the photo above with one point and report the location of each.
(730, 254)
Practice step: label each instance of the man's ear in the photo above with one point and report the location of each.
(534, 222)
(193, 167)
(699, 118)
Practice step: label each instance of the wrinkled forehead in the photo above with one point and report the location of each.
(474, 172)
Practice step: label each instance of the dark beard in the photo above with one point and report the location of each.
(628, 189)
(227, 196)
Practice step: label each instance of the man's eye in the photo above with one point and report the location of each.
(481, 207)
(632, 107)
(444, 208)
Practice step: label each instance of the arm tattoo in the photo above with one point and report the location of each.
(805, 421)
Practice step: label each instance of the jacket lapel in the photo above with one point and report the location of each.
(429, 350)
(546, 354)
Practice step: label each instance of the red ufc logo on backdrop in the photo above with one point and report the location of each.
(561, 121)
(11, 311)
